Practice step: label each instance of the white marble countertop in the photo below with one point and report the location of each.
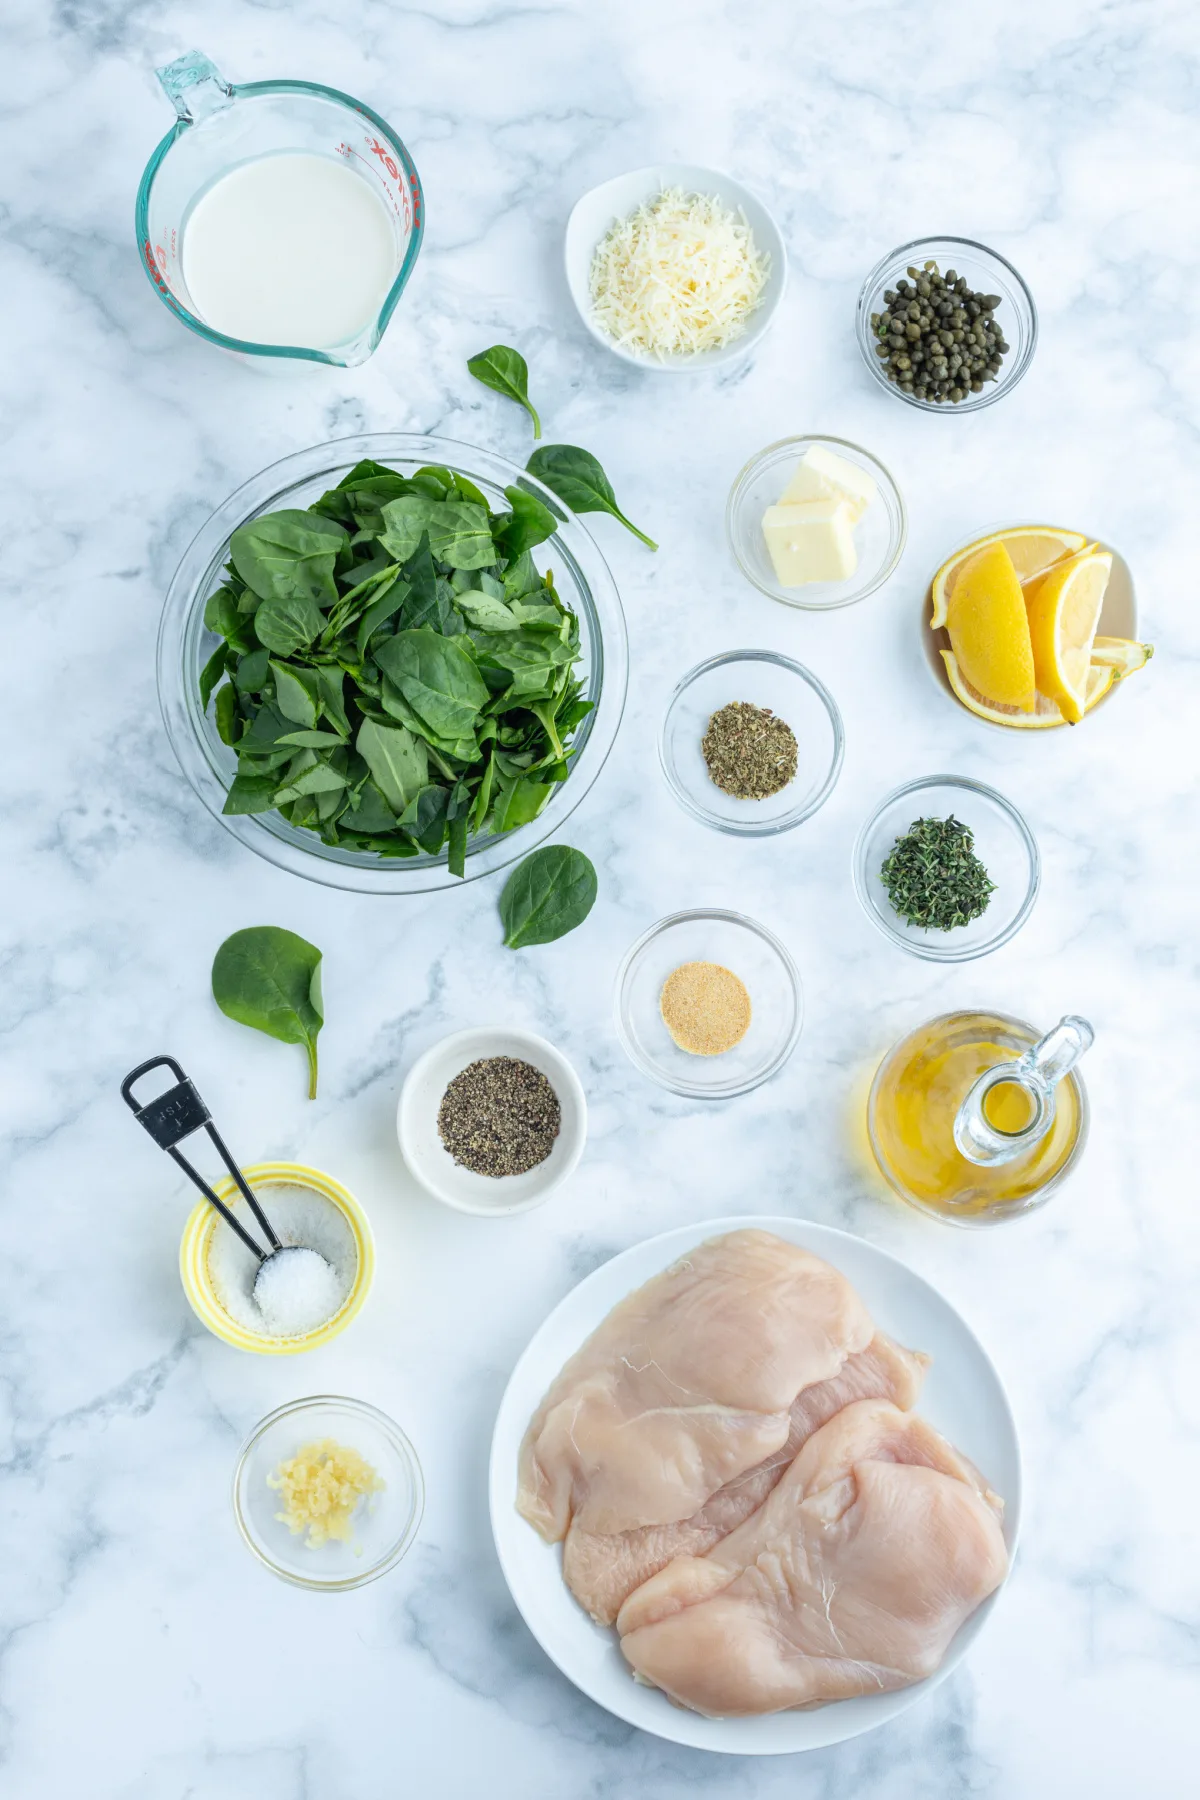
(142, 1653)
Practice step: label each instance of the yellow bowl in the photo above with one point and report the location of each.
(197, 1241)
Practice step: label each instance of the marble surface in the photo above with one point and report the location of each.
(142, 1653)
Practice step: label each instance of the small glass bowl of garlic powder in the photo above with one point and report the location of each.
(328, 1492)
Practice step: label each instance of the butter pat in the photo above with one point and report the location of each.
(823, 475)
(811, 541)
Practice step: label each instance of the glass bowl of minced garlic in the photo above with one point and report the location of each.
(328, 1492)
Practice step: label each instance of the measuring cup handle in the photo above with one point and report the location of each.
(194, 86)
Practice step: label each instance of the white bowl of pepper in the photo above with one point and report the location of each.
(491, 1120)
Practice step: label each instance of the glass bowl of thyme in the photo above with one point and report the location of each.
(946, 324)
(430, 792)
(751, 743)
(947, 868)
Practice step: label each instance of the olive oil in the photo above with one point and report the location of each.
(915, 1099)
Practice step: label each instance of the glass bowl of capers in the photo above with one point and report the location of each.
(946, 324)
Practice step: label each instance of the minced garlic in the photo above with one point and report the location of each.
(321, 1487)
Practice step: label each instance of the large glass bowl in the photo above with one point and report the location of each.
(184, 645)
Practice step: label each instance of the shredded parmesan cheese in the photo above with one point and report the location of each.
(321, 1487)
(681, 274)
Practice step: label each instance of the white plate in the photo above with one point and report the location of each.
(599, 209)
(964, 1398)
(491, 1196)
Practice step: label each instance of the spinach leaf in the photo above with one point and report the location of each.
(313, 740)
(458, 531)
(506, 372)
(287, 626)
(330, 685)
(529, 523)
(250, 676)
(250, 794)
(270, 979)
(459, 534)
(463, 749)
(547, 895)
(577, 478)
(379, 612)
(292, 695)
(425, 818)
(397, 760)
(519, 801)
(321, 778)
(212, 672)
(288, 555)
(372, 814)
(226, 714)
(405, 523)
(485, 612)
(437, 677)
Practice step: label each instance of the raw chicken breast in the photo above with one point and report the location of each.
(852, 1577)
(601, 1570)
(687, 1384)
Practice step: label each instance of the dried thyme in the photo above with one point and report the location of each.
(750, 753)
(499, 1117)
(934, 878)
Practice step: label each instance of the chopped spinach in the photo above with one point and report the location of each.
(505, 371)
(394, 672)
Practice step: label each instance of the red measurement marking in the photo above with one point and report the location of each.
(161, 255)
(152, 266)
(379, 150)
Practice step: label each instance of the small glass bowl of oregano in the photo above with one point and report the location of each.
(751, 743)
(947, 868)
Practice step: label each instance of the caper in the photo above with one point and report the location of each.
(938, 340)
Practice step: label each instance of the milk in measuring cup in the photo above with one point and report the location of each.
(292, 248)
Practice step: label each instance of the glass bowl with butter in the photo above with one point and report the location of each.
(816, 522)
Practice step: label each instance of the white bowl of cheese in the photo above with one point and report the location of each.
(711, 319)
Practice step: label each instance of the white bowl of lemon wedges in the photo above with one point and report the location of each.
(1033, 626)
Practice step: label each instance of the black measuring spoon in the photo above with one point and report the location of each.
(174, 1115)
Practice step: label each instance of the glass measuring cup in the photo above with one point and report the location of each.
(221, 126)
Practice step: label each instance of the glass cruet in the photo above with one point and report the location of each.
(220, 125)
(975, 1117)
(1033, 1078)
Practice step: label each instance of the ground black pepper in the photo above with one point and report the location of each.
(499, 1117)
(750, 753)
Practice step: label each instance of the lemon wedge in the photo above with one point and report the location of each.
(1064, 610)
(1033, 548)
(989, 628)
(1045, 712)
(1124, 655)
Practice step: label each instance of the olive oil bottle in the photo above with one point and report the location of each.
(974, 1117)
